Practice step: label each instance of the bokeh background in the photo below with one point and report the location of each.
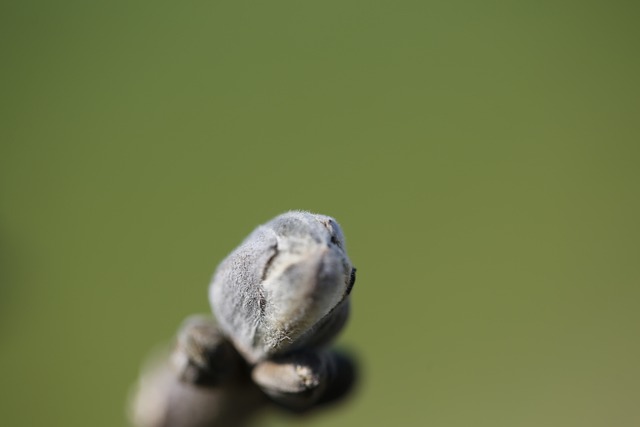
(482, 158)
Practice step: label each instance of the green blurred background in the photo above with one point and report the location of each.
(482, 158)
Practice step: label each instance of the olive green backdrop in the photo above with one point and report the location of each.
(482, 158)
